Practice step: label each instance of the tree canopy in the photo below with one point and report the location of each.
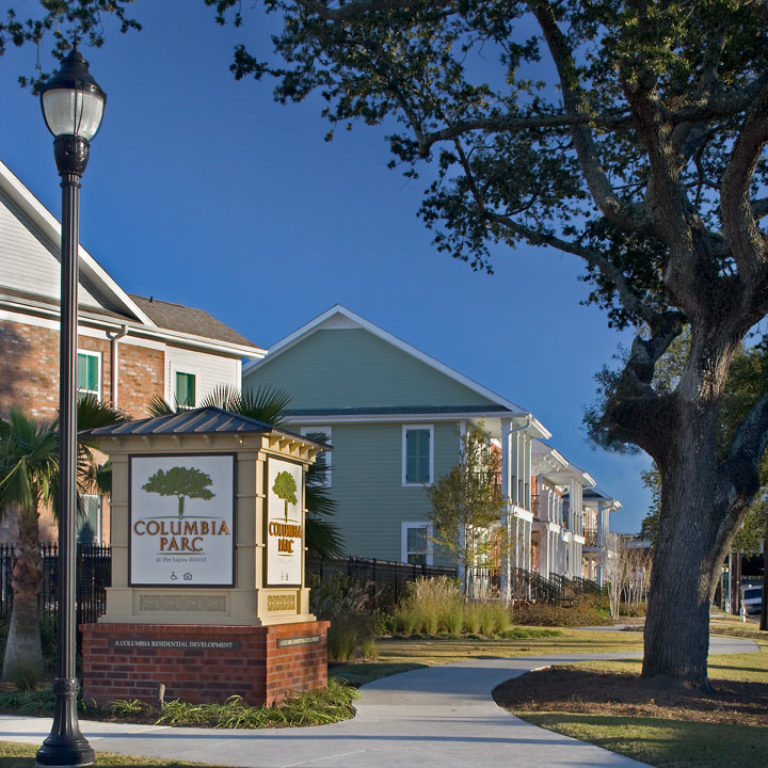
(630, 135)
(466, 506)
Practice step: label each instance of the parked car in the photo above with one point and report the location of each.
(752, 598)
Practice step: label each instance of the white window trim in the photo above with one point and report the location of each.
(97, 355)
(404, 527)
(327, 454)
(406, 428)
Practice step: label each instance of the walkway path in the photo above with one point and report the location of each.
(440, 717)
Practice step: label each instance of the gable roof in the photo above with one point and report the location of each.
(146, 317)
(339, 317)
(177, 317)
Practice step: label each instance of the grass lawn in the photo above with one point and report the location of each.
(14, 755)
(402, 654)
(605, 703)
(664, 742)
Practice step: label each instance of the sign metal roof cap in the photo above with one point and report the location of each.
(198, 421)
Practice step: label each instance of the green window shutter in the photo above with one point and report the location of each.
(417, 456)
(87, 373)
(185, 390)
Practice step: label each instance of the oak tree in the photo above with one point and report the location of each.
(631, 135)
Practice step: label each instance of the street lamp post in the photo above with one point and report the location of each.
(73, 105)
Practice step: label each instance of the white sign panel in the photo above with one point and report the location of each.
(182, 520)
(285, 523)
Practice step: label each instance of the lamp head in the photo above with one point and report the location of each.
(72, 101)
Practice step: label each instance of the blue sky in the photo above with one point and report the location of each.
(200, 190)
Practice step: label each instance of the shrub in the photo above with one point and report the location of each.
(633, 609)
(587, 611)
(346, 605)
(25, 675)
(325, 705)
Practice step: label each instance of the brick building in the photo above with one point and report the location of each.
(130, 348)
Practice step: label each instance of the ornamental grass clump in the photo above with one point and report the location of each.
(347, 605)
(437, 607)
(436, 604)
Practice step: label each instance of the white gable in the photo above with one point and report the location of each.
(29, 261)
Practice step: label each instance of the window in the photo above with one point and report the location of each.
(324, 460)
(418, 459)
(89, 374)
(416, 543)
(185, 390)
(89, 525)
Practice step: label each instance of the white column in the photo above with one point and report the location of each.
(507, 492)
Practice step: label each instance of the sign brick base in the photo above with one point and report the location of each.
(203, 663)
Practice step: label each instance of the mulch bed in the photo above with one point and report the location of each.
(569, 689)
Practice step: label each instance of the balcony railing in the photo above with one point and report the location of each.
(590, 537)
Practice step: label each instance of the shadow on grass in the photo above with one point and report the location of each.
(660, 741)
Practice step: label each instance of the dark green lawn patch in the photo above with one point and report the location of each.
(664, 742)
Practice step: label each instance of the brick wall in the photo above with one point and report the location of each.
(141, 376)
(117, 664)
(29, 371)
(29, 376)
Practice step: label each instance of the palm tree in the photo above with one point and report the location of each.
(29, 461)
(268, 405)
(29, 475)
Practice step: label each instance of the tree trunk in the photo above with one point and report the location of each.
(695, 498)
(764, 604)
(23, 649)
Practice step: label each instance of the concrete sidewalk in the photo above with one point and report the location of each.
(440, 717)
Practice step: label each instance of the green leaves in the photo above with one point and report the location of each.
(60, 25)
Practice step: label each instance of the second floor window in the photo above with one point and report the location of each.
(185, 390)
(89, 374)
(417, 455)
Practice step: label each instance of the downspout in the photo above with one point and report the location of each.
(506, 589)
(114, 337)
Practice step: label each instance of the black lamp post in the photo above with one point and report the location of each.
(73, 105)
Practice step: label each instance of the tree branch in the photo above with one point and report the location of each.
(748, 244)
(355, 9)
(512, 124)
(575, 103)
(748, 447)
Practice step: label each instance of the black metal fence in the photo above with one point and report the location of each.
(528, 586)
(384, 579)
(94, 575)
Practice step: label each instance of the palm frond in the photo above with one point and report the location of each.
(159, 406)
(265, 404)
(222, 396)
(92, 413)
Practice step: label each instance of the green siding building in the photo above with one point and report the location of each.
(394, 417)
